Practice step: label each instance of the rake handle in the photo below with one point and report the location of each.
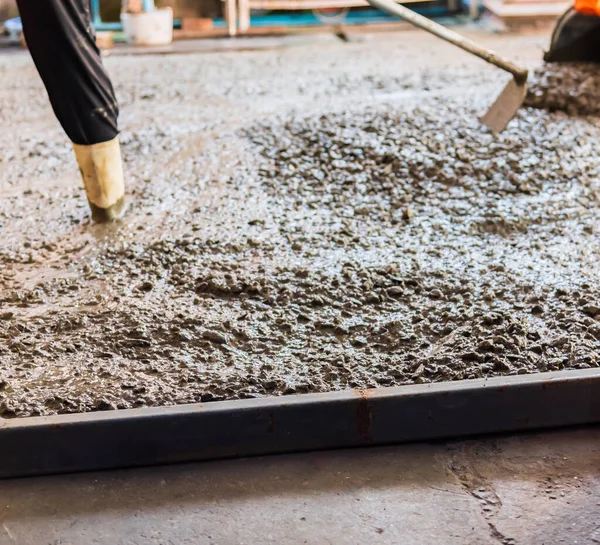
(520, 74)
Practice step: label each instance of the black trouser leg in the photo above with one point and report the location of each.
(61, 40)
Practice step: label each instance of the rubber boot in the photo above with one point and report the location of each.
(101, 168)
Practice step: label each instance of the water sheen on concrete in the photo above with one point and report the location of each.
(302, 220)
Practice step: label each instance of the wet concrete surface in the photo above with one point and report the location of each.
(304, 220)
(519, 490)
(569, 87)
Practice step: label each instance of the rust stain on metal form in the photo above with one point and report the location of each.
(364, 417)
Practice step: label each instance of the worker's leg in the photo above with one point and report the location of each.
(61, 40)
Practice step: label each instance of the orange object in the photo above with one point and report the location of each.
(104, 40)
(193, 24)
(588, 7)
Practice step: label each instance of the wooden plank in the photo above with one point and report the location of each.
(371, 27)
(513, 2)
(311, 4)
(196, 23)
(231, 16)
(474, 9)
(244, 8)
(199, 34)
(526, 10)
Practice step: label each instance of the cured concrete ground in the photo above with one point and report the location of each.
(524, 490)
(325, 217)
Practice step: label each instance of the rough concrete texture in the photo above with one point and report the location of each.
(524, 490)
(568, 87)
(311, 219)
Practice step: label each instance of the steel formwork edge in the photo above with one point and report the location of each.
(351, 418)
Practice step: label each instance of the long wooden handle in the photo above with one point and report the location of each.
(423, 23)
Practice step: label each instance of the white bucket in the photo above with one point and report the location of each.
(148, 28)
(14, 29)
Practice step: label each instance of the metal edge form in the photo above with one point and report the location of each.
(351, 418)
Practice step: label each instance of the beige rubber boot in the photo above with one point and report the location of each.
(101, 168)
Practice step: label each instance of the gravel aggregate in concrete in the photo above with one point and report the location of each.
(573, 88)
(296, 226)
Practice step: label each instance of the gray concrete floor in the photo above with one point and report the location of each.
(525, 489)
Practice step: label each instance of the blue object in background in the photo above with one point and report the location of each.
(14, 29)
(99, 24)
(279, 19)
(352, 18)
